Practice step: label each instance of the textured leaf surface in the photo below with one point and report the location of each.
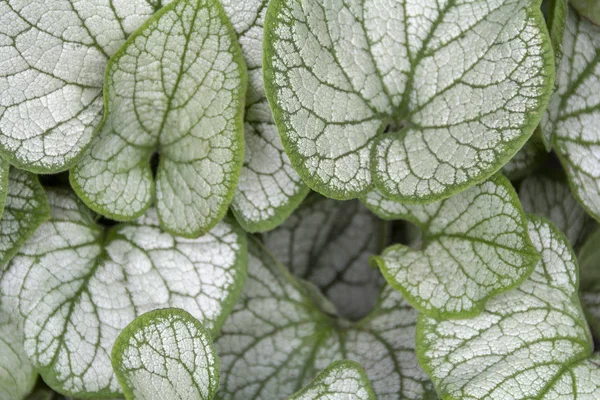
(177, 88)
(475, 245)
(166, 354)
(76, 285)
(574, 112)
(54, 53)
(421, 99)
(276, 339)
(341, 380)
(530, 157)
(25, 209)
(525, 345)
(328, 243)
(552, 198)
(269, 189)
(17, 375)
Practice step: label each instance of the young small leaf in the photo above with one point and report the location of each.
(340, 380)
(54, 53)
(166, 354)
(328, 243)
(574, 111)
(76, 285)
(422, 100)
(552, 199)
(17, 375)
(269, 189)
(177, 87)
(277, 339)
(525, 343)
(475, 245)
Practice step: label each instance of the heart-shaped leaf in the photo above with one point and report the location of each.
(269, 189)
(166, 354)
(177, 88)
(529, 343)
(475, 245)
(277, 339)
(328, 243)
(420, 99)
(54, 53)
(76, 285)
(574, 112)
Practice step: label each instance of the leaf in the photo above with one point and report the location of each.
(525, 343)
(329, 243)
(276, 339)
(54, 53)
(574, 110)
(589, 9)
(421, 100)
(531, 156)
(342, 379)
(25, 209)
(76, 285)
(552, 198)
(475, 246)
(269, 189)
(166, 354)
(17, 375)
(176, 87)
(589, 272)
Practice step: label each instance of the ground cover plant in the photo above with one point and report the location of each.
(299, 199)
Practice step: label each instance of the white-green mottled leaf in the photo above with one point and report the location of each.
(54, 53)
(552, 198)
(25, 209)
(525, 344)
(328, 243)
(166, 354)
(176, 88)
(17, 375)
(269, 189)
(419, 98)
(589, 9)
(475, 245)
(76, 285)
(530, 157)
(342, 380)
(277, 339)
(573, 115)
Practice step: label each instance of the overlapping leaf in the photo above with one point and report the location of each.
(530, 343)
(177, 88)
(17, 375)
(531, 156)
(269, 189)
(421, 99)
(166, 354)
(589, 9)
(75, 285)
(54, 53)
(573, 115)
(329, 243)
(277, 339)
(475, 245)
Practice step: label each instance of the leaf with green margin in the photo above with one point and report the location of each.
(461, 87)
(177, 87)
(166, 354)
(328, 243)
(551, 198)
(475, 245)
(573, 114)
(17, 375)
(531, 156)
(54, 55)
(76, 285)
(276, 339)
(25, 209)
(340, 380)
(269, 189)
(589, 9)
(525, 343)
